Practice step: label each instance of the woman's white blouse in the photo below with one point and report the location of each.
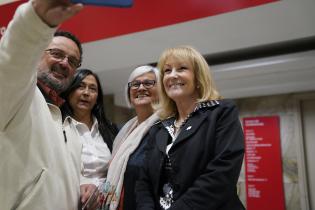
(95, 155)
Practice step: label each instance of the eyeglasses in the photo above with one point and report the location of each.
(61, 55)
(146, 83)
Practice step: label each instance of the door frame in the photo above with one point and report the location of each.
(301, 155)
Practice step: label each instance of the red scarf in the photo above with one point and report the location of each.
(51, 93)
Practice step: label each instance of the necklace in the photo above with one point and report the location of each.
(177, 125)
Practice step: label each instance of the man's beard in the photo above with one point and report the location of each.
(48, 79)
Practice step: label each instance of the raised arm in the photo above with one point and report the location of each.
(21, 47)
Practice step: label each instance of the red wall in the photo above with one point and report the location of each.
(95, 23)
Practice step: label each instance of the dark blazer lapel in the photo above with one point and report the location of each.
(161, 139)
(190, 127)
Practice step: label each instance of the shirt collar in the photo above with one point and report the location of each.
(80, 126)
(201, 105)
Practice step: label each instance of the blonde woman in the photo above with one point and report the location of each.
(197, 147)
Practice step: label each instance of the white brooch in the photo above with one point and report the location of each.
(188, 128)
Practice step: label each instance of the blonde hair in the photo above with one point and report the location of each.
(204, 81)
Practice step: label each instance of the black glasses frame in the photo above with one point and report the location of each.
(137, 83)
(60, 55)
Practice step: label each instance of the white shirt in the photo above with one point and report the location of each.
(95, 155)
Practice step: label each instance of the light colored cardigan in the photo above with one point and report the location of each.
(38, 169)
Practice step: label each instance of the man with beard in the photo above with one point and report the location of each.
(40, 155)
(57, 65)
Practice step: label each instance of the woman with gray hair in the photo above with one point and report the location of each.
(128, 149)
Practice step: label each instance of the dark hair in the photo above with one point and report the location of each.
(106, 128)
(71, 36)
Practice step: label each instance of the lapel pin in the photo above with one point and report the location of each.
(188, 128)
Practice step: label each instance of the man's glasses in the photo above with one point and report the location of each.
(60, 55)
(146, 83)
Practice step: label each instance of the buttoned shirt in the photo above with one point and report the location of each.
(95, 155)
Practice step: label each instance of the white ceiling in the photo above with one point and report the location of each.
(113, 59)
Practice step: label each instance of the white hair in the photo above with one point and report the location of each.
(136, 73)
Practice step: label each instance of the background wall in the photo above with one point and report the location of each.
(287, 107)
(279, 23)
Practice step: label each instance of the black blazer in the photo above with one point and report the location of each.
(206, 161)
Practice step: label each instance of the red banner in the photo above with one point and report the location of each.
(263, 165)
(95, 23)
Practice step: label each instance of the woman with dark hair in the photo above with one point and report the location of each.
(84, 109)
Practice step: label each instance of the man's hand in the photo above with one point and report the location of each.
(54, 12)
